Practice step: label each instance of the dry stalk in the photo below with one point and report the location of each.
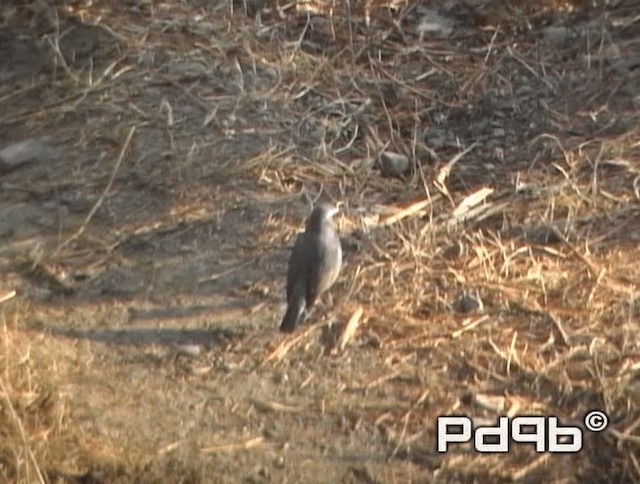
(106, 190)
(17, 422)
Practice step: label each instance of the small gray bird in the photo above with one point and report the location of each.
(314, 265)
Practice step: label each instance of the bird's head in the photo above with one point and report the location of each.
(322, 214)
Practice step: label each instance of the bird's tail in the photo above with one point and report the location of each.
(292, 317)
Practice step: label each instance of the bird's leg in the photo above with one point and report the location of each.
(330, 299)
(325, 300)
(308, 312)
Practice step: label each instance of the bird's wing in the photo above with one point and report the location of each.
(325, 266)
(298, 263)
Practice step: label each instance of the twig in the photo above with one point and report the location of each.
(248, 444)
(350, 328)
(18, 424)
(5, 295)
(100, 200)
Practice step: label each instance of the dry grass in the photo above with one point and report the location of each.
(496, 276)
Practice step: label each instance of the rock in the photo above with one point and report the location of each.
(18, 154)
(394, 164)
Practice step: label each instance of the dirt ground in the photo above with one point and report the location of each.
(490, 173)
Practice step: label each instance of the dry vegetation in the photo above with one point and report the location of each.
(491, 182)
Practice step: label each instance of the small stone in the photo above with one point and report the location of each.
(191, 351)
(394, 164)
(469, 301)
